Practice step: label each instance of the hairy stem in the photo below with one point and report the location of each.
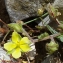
(35, 19)
(48, 37)
(5, 35)
(24, 31)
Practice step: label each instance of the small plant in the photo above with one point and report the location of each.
(52, 47)
(17, 45)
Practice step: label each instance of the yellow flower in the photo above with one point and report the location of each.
(17, 45)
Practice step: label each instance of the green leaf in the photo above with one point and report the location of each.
(60, 38)
(61, 22)
(15, 26)
(61, 26)
(51, 29)
(40, 27)
(41, 36)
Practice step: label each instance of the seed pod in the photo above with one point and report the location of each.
(15, 26)
(40, 11)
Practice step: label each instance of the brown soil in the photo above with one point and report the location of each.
(3, 12)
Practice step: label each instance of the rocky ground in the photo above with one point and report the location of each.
(5, 17)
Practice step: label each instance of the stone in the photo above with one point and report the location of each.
(46, 21)
(58, 3)
(23, 9)
(3, 55)
(3, 12)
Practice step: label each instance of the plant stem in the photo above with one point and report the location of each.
(30, 21)
(58, 21)
(48, 37)
(42, 21)
(27, 58)
(5, 36)
(44, 15)
(35, 19)
(52, 38)
(29, 27)
(23, 30)
(4, 23)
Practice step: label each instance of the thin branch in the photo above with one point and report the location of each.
(24, 31)
(48, 37)
(42, 21)
(5, 35)
(4, 23)
(30, 21)
(35, 19)
(21, 22)
(58, 21)
(27, 58)
(29, 27)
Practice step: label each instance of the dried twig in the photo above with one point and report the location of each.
(4, 23)
(48, 37)
(5, 36)
(29, 27)
(28, 60)
(58, 21)
(24, 31)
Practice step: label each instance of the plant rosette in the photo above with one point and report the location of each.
(52, 47)
(17, 45)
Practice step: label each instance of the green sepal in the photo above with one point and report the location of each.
(15, 26)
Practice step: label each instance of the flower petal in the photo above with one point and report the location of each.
(25, 40)
(16, 53)
(9, 46)
(25, 48)
(16, 37)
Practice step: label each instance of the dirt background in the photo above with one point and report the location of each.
(3, 12)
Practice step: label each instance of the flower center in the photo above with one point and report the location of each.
(18, 44)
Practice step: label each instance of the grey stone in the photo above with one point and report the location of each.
(22, 9)
(46, 21)
(3, 55)
(58, 3)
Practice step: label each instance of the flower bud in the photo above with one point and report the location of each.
(40, 12)
(15, 26)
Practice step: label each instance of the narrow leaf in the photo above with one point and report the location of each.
(60, 38)
(41, 36)
(61, 26)
(51, 29)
